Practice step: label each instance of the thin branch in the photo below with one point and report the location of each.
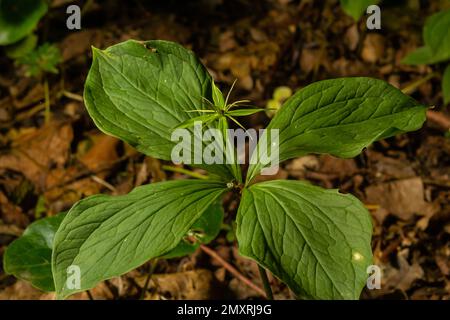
(439, 118)
(72, 96)
(89, 294)
(103, 183)
(232, 270)
(47, 101)
(149, 276)
(410, 88)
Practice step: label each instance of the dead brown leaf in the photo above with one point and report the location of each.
(34, 154)
(402, 198)
(102, 154)
(403, 277)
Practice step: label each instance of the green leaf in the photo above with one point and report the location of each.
(356, 8)
(436, 35)
(108, 236)
(29, 257)
(140, 91)
(207, 227)
(205, 119)
(204, 230)
(244, 112)
(218, 99)
(446, 85)
(422, 55)
(18, 18)
(317, 241)
(43, 59)
(184, 248)
(341, 117)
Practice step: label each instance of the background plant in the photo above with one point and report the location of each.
(436, 49)
(18, 20)
(315, 240)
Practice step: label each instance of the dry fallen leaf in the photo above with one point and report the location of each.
(102, 154)
(35, 153)
(403, 277)
(402, 198)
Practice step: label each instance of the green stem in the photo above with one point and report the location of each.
(410, 88)
(47, 102)
(185, 171)
(229, 150)
(265, 281)
(149, 276)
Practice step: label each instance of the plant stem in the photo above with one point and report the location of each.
(149, 276)
(89, 294)
(185, 171)
(230, 151)
(410, 88)
(47, 102)
(265, 281)
(72, 96)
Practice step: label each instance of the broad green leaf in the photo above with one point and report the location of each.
(107, 236)
(315, 240)
(18, 18)
(140, 91)
(356, 8)
(436, 35)
(207, 227)
(341, 117)
(244, 112)
(29, 257)
(446, 85)
(204, 230)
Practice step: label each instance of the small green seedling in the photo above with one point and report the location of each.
(436, 49)
(317, 241)
(18, 19)
(41, 60)
(38, 63)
